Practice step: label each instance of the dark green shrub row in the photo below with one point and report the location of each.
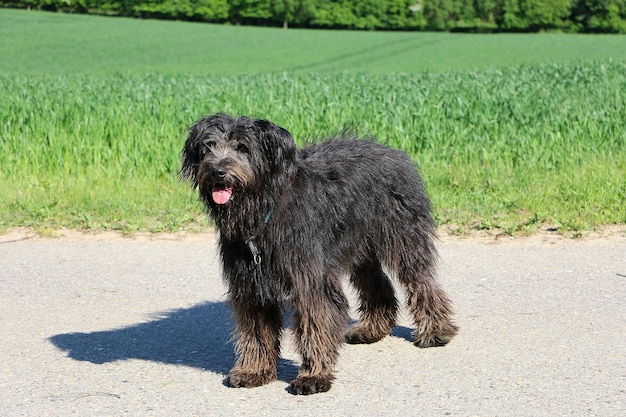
(608, 16)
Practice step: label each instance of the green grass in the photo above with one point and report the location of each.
(93, 116)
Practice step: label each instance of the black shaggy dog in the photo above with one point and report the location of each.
(293, 222)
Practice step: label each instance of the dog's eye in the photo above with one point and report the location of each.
(241, 148)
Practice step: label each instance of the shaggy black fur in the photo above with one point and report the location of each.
(293, 222)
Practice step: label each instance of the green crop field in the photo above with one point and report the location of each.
(511, 132)
(50, 43)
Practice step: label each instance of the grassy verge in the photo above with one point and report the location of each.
(509, 149)
(96, 203)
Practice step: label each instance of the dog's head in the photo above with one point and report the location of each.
(227, 158)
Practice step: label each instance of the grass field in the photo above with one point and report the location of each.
(51, 43)
(512, 132)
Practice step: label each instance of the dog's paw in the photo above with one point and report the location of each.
(362, 335)
(305, 385)
(239, 378)
(434, 339)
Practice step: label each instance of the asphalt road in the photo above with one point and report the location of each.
(139, 327)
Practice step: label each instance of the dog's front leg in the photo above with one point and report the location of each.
(257, 346)
(320, 321)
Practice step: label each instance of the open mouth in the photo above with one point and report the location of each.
(221, 193)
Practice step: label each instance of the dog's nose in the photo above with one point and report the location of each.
(218, 172)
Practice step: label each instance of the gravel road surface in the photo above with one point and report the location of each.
(111, 326)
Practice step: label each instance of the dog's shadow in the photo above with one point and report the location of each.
(199, 337)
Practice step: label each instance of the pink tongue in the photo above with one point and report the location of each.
(221, 194)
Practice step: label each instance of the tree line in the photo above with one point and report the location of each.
(598, 16)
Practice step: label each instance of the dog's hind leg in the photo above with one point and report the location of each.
(320, 319)
(378, 305)
(258, 345)
(430, 306)
(432, 311)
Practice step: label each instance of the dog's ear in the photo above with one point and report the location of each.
(195, 146)
(276, 142)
